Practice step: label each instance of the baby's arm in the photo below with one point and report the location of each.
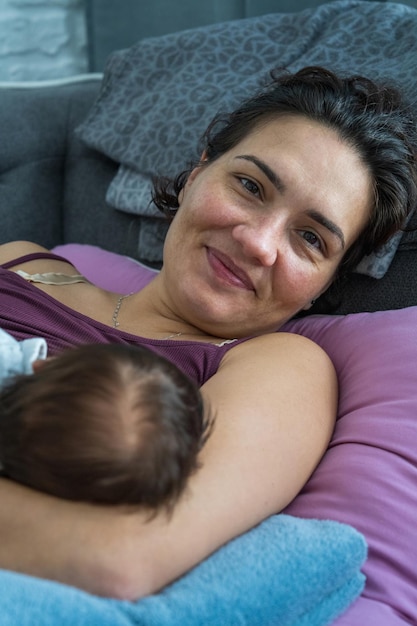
(275, 400)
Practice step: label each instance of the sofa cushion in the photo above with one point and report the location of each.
(53, 187)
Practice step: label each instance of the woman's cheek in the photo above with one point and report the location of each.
(297, 285)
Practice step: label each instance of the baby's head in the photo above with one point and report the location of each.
(107, 423)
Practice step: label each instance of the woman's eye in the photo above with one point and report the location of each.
(312, 239)
(250, 186)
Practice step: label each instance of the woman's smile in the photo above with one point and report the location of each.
(226, 270)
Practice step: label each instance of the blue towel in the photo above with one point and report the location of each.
(285, 572)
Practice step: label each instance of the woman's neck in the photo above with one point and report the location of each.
(149, 313)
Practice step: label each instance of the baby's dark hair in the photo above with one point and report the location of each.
(112, 424)
(373, 118)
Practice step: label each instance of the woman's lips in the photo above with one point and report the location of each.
(227, 271)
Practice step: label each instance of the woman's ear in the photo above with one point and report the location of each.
(193, 175)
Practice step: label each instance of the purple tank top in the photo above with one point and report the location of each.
(26, 311)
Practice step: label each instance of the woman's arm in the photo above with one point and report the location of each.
(275, 400)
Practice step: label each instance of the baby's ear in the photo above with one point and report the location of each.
(39, 363)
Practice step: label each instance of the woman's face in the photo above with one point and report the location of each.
(261, 231)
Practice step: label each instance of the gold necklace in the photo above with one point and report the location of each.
(172, 336)
(115, 321)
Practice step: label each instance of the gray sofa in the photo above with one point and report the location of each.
(53, 187)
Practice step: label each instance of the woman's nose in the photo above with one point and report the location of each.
(260, 241)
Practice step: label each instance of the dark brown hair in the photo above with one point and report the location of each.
(105, 423)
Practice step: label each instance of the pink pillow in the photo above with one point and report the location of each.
(368, 476)
(108, 270)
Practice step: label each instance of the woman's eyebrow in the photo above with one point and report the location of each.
(329, 224)
(279, 185)
(270, 174)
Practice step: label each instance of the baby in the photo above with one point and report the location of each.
(107, 423)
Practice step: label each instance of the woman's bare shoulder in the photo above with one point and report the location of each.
(280, 359)
(277, 344)
(16, 249)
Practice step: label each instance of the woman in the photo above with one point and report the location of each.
(292, 189)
